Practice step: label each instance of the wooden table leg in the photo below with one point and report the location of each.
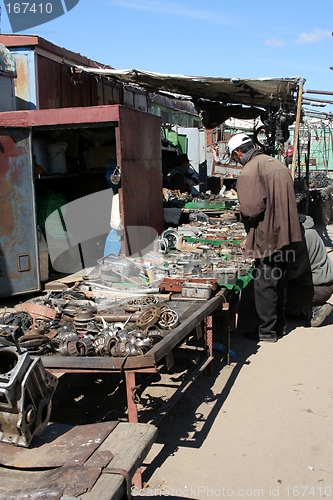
(137, 479)
(132, 417)
(130, 389)
(226, 330)
(208, 337)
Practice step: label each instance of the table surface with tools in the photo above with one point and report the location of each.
(190, 313)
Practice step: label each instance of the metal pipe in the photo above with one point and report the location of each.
(110, 318)
(189, 299)
(323, 92)
(310, 99)
(298, 119)
(307, 173)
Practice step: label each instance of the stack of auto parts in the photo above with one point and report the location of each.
(127, 329)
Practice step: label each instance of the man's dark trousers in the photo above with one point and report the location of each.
(270, 292)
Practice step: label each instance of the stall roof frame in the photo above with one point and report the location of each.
(258, 92)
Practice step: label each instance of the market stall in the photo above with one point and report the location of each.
(127, 315)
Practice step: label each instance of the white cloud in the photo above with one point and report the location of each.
(172, 9)
(314, 37)
(275, 42)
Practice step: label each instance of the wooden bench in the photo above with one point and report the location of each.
(89, 462)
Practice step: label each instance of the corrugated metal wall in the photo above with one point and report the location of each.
(60, 87)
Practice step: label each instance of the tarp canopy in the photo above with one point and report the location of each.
(7, 63)
(227, 95)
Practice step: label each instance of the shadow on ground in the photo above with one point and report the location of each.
(193, 416)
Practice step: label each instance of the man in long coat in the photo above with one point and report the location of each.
(268, 210)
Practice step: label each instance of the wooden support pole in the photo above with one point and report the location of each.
(298, 120)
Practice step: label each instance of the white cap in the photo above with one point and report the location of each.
(236, 141)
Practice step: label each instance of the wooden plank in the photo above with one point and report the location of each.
(129, 444)
(78, 276)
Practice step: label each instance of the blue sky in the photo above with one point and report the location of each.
(216, 38)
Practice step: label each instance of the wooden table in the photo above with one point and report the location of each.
(90, 462)
(197, 316)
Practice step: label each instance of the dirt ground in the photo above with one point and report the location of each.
(260, 427)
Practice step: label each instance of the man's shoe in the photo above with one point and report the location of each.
(319, 314)
(262, 337)
(267, 337)
(251, 335)
(281, 333)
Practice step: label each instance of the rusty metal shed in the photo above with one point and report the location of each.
(133, 137)
(49, 76)
(46, 78)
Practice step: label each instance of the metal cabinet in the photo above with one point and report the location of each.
(134, 136)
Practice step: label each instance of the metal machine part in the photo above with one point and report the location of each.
(168, 319)
(37, 311)
(83, 317)
(172, 238)
(197, 290)
(26, 391)
(144, 300)
(163, 245)
(82, 347)
(65, 334)
(148, 317)
(104, 341)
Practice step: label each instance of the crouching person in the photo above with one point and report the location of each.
(310, 283)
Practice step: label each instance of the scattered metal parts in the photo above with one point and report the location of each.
(196, 290)
(131, 328)
(82, 347)
(33, 342)
(148, 317)
(168, 319)
(104, 342)
(198, 216)
(172, 237)
(39, 326)
(60, 341)
(150, 299)
(21, 318)
(143, 345)
(129, 308)
(72, 348)
(83, 317)
(110, 318)
(154, 333)
(163, 245)
(37, 311)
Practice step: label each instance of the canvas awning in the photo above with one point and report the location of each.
(226, 95)
(7, 63)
